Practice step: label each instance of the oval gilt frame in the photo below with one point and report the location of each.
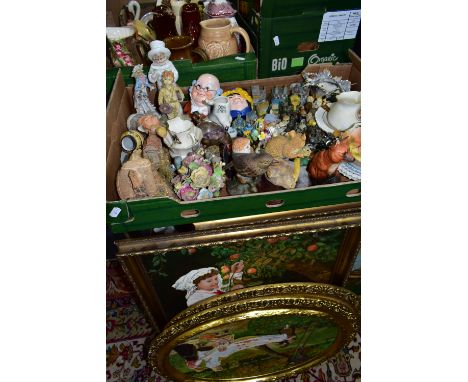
(341, 309)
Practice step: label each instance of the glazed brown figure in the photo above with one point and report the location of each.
(325, 163)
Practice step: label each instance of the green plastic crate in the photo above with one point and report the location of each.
(242, 66)
(285, 35)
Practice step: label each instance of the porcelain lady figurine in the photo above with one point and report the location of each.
(159, 54)
(141, 101)
(182, 137)
(170, 94)
(202, 94)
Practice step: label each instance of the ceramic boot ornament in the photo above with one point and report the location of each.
(221, 113)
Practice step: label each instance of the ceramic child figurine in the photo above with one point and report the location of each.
(141, 101)
(159, 54)
(202, 93)
(170, 94)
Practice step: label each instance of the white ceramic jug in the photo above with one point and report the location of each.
(346, 111)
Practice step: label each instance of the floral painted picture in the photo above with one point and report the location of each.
(257, 346)
(187, 276)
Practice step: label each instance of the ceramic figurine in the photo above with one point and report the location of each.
(202, 93)
(141, 101)
(159, 55)
(219, 9)
(324, 164)
(262, 108)
(136, 179)
(240, 102)
(181, 137)
(248, 165)
(221, 112)
(170, 94)
(289, 146)
(324, 84)
(258, 94)
(214, 134)
(239, 125)
(281, 173)
(153, 149)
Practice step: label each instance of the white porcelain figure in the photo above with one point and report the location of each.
(159, 54)
(182, 137)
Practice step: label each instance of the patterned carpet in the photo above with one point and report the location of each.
(127, 331)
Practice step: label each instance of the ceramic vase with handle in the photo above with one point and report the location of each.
(217, 38)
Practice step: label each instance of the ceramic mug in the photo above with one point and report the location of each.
(123, 46)
(181, 48)
(217, 38)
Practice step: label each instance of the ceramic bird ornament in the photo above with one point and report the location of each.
(248, 164)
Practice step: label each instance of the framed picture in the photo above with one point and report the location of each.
(174, 272)
(283, 330)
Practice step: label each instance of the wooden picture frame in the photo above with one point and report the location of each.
(317, 246)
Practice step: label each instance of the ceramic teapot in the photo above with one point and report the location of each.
(346, 111)
(217, 38)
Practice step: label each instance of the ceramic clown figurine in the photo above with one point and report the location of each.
(159, 54)
(202, 94)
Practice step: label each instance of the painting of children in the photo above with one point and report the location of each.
(203, 283)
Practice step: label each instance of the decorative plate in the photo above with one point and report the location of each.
(262, 338)
(351, 170)
(322, 121)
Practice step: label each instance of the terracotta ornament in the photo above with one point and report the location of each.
(136, 179)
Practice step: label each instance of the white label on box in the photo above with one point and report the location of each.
(276, 40)
(115, 212)
(339, 25)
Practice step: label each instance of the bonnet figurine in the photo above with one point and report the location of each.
(141, 101)
(159, 54)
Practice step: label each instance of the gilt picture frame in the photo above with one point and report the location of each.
(168, 271)
(282, 331)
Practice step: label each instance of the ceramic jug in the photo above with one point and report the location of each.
(346, 111)
(217, 39)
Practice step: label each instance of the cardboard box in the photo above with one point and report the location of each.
(288, 36)
(148, 213)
